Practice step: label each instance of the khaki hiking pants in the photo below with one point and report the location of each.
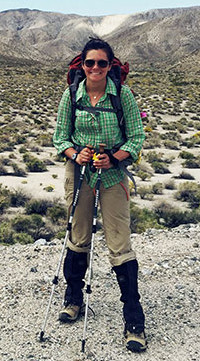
(115, 215)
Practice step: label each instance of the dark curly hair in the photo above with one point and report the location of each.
(97, 43)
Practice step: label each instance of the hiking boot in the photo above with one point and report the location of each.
(135, 339)
(69, 313)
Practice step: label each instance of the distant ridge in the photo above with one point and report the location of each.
(159, 37)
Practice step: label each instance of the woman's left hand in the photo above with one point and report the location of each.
(103, 162)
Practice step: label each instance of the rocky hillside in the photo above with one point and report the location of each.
(145, 38)
(169, 285)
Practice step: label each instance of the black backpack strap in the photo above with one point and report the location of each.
(116, 103)
(78, 77)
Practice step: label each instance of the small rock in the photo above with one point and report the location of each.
(40, 242)
(33, 269)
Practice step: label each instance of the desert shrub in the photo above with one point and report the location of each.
(19, 172)
(191, 142)
(49, 188)
(172, 217)
(4, 198)
(6, 233)
(186, 155)
(32, 225)
(18, 198)
(39, 206)
(154, 156)
(22, 149)
(34, 164)
(60, 234)
(191, 163)
(172, 136)
(56, 213)
(169, 126)
(145, 193)
(160, 168)
(184, 175)
(183, 121)
(142, 219)
(20, 139)
(45, 140)
(4, 203)
(189, 192)
(22, 237)
(170, 184)
(157, 188)
(143, 175)
(152, 142)
(171, 144)
(3, 170)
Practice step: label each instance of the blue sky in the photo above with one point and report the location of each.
(95, 7)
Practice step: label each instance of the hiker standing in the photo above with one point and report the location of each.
(94, 128)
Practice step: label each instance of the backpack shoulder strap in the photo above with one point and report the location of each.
(78, 76)
(115, 75)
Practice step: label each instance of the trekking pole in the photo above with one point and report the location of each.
(69, 227)
(94, 229)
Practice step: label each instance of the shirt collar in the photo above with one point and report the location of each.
(110, 89)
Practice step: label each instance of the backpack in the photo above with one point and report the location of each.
(118, 74)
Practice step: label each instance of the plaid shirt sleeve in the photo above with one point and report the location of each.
(133, 123)
(62, 134)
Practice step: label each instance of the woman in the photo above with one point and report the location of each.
(90, 128)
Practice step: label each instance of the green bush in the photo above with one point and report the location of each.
(154, 156)
(4, 198)
(32, 225)
(143, 175)
(6, 233)
(171, 144)
(3, 170)
(19, 172)
(189, 192)
(170, 184)
(145, 192)
(23, 238)
(142, 219)
(45, 140)
(160, 168)
(184, 175)
(4, 203)
(191, 163)
(57, 212)
(172, 217)
(157, 188)
(34, 164)
(39, 206)
(18, 198)
(186, 155)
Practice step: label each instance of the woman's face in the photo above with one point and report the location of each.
(96, 73)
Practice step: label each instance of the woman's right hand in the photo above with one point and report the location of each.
(84, 156)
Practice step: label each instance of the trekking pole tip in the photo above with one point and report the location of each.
(42, 336)
(83, 346)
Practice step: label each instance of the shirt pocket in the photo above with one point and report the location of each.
(86, 122)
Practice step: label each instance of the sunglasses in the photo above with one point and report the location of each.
(101, 63)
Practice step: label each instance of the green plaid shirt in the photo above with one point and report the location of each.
(102, 128)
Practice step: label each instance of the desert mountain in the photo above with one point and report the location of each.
(163, 36)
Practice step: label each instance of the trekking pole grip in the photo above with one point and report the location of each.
(89, 146)
(101, 148)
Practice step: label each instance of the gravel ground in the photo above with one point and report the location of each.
(169, 286)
